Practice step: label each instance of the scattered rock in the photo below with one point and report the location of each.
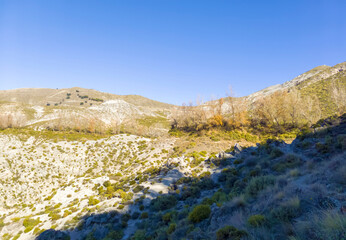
(237, 149)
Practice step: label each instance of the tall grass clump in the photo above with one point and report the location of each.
(257, 184)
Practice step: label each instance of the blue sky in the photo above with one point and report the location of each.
(168, 50)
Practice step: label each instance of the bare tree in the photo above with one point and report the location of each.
(231, 102)
(338, 92)
(12, 120)
(311, 109)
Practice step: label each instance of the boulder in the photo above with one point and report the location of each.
(237, 148)
(224, 155)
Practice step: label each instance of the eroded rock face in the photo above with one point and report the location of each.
(224, 155)
(237, 148)
(39, 174)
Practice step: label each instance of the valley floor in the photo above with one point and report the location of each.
(131, 187)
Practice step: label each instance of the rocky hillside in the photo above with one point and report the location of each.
(68, 171)
(60, 108)
(98, 111)
(271, 191)
(72, 96)
(130, 187)
(314, 75)
(56, 181)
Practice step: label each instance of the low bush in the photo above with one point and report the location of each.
(286, 211)
(183, 180)
(167, 217)
(230, 232)
(163, 202)
(258, 184)
(322, 147)
(256, 220)
(193, 192)
(171, 228)
(139, 235)
(289, 161)
(275, 153)
(206, 184)
(341, 141)
(327, 225)
(121, 206)
(144, 215)
(93, 201)
(138, 188)
(219, 197)
(29, 224)
(199, 213)
(114, 235)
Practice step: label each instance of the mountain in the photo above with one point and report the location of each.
(42, 106)
(80, 164)
(130, 187)
(320, 73)
(72, 97)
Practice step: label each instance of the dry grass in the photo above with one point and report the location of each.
(325, 225)
(12, 120)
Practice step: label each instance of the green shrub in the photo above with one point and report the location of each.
(93, 201)
(29, 224)
(257, 184)
(322, 148)
(126, 217)
(327, 225)
(286, 211)
(183, 180)
(193, 192)
(207, 201)
(275, 153)
(139, 235)
(199, 213)
(163, 202)
(17, 236)
(289, 161)
(54, 215)
(171, 228)
(230, 232)
(138, 188)
(167, 217)
(256, 220)
(238, 161)
(219, 197)
(114, 235)
(121, 206)
(294, 173)
(2, 224)
(144, 215)
(341, 141)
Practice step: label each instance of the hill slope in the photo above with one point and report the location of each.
(312, 76)
(39, 107)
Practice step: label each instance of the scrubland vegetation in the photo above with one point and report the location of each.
(272, 191)
(179, 174)
(282, 114)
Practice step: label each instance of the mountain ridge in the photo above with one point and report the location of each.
(42, 106)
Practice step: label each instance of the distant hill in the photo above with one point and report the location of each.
(44, 105)
(72, 96)
(40, 106)
(302, 81)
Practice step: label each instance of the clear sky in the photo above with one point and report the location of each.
(168, 50)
